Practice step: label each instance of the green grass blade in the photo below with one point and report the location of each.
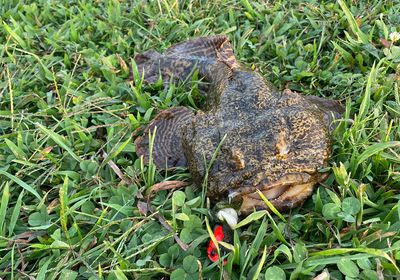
(15, 214)
(117, 151)
(250, 9)
(151, 170)
(59, 140)
(66, 69)
(27, 163)
(119, 274)
(42, 272)
(260, 235)
(362, 37)
(15, 36)
(13, 261)
(63, 205)
(255, 246)
(260, 264)
(370, 251)
(271, 206)
(3, 208)
(251, 218)
(276, 230)
(345, 54)
(365, 103)
(208, 168)
(18, 152)
(376, 148)
(212, 236)
(21, 183)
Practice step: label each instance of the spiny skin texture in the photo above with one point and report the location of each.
(274, 141)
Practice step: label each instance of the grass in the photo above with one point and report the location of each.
(71, 184)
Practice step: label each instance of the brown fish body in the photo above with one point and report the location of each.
(272, 141)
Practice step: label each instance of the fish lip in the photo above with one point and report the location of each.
(290, 179)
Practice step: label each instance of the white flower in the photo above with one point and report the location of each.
(229, 215)
(394, 36)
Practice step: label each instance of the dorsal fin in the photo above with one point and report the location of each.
(213, 48)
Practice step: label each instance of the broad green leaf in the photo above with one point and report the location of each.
(369, 274)
(186, 235)
(300, 252)
(364, 263)
(351, 205)
(38, 219)
(282, 249)
(178, 274)
(190, 264)
(274, 273)
(59, 244)
(68, 274)
(348, 268)
(178, 198)
(165, 260)
(182, 217)
(330, 211)
(194, 202)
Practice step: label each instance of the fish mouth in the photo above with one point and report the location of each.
(289, 191)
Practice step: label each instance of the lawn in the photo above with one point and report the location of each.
(73, 190)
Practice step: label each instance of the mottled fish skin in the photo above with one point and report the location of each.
(274, 141)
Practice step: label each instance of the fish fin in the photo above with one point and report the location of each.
(330, 109)
(179, 60)
(214, 48)
(147, 62)
(146, 56)
(167, 146)
(291, 197)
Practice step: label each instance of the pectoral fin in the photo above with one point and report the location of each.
(167, 147)
(330, 109)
